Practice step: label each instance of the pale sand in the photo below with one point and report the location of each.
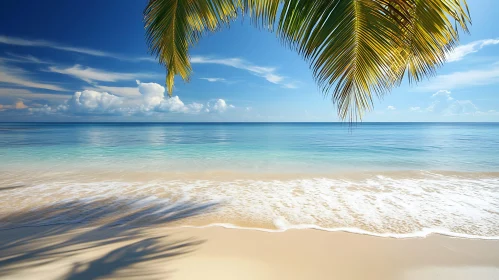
(42, 175)
(108, 251)
(69, 252)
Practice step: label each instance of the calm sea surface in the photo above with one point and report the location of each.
(384, 179)
(273, 147)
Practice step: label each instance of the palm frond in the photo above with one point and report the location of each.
(430, 34)
(172, 26)
(350, 46)
(356, 48)
(262, 12)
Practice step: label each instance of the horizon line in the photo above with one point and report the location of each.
(242, 122)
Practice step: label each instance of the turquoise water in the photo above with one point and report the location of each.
(384, 179)
(272, 147)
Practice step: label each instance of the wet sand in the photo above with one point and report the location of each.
(71, 252)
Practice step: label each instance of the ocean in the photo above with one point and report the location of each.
(383, 179)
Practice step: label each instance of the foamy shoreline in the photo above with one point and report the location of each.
(421, 234)
(390, 204)
(415, 235)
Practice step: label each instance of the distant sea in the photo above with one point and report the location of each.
(386, 179)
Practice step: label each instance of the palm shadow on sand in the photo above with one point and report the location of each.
(145, 251)
(51, 234)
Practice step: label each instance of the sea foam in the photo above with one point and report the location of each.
(381, 205)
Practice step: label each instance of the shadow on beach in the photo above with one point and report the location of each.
(103, 237)
(9, 188)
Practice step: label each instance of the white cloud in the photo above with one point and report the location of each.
(47, 44)
(41, 43)
(442, 99)
(432, 107)
(489, 113)
(44, 110)
(444, 93)
(391, 108)
(151, 100)
(462, 80)
(85, 103)
(273, 78)
(195, 107)
(219, 106)
(23, 59)
(131, 92)
(20, 77)
(213, 80)
(90, 75)
(460, 52)
(268, 73)
(290, 85)
(444, 104)
(153, 95)
(172, 104)
(450, 108)
(461, 107)
(89, 101)
(27, 94)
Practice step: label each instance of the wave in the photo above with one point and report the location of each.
(419, 234)
(397, 205)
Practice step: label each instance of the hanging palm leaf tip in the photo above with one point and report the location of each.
(357, 49)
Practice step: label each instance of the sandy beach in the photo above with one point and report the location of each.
(106, 210)
(69, 252)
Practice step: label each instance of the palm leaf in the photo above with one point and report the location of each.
(350, 46)
(430, 35)
(172, 26)
(356, 48)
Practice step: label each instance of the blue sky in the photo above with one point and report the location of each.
(87, 61)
